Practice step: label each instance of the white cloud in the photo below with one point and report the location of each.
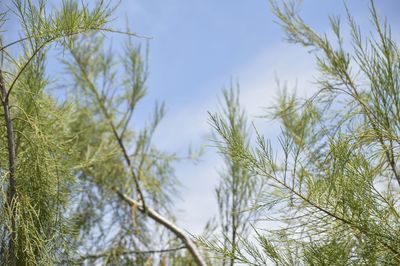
(189, 124)
(198, 202)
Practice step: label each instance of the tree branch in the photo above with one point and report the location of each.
(333, 215)
(107, 115)
(12, 259)
(180, 233)
(105, 254)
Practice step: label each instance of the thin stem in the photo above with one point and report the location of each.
(117, 136)
(331, 214)
(370, 115)
(141, 205)
(54, 32)
(12, 258)
(105, 254)
(52, 39)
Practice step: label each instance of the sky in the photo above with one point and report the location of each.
(198, 47)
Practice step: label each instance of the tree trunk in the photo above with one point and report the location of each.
(12, 256)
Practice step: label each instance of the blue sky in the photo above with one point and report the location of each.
(200, 46)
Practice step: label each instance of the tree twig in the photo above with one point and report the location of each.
(128, 252)
(181, 234)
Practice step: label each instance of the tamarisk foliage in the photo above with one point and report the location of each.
(137, 173)
(239, 188)
(333, 187)
(78, 184)
(36, 146)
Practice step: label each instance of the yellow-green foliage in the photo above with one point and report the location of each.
(44, 142)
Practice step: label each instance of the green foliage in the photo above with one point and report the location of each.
(333, 188)
(73, 153)
(106, 97)
(68, 166)
(44, 144)
(239, 188)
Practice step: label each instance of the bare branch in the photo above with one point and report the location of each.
(181, 234)
(129, 252)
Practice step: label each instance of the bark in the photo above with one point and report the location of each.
(180, 233)
(12, 257)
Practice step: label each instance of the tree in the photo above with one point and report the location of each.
(78, 184)
(334, 185)
(239, 188)
(35, 178)
(81, 184)
(148, 175)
